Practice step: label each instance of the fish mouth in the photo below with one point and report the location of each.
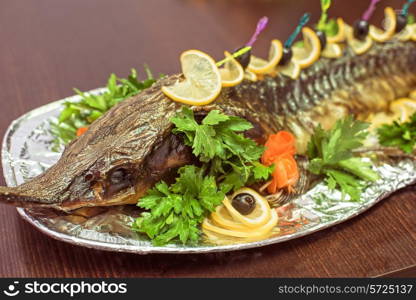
(15, 196)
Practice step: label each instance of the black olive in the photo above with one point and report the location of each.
(401, 22)
(243, 59)
(361, 28)
(118, 176)
(286, 57)
(322, 38)
(244, 203)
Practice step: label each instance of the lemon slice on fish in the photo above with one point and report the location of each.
(291, 70)
(340, 36)
(311, 50)
(390, 22)
(250, 75)
(202, 82)
(258, 217)
(232, 73)
(403, 109)
(358, 46)
(413, 29)
(260, 66)
(332, 50)
(412, 95)
(378, 119)
(407, 33)
(259, 231)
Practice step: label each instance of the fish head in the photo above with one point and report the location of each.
(115, 162)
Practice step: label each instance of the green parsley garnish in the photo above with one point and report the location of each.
(219, 143)
(400, 135)
(330, 154)
(228, 161)
(81, 114)
(176, 211)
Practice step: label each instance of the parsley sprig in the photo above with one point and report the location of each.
(330, 154)
(228, 161)
(219, 143)
(175, 211)
(400, 135)
(81, 114)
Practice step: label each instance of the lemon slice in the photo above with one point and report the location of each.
(406, 34)
(332, 51)
(390, 20)
(260, 66)
(340, 36)
(253, 232)
(378, 119)
(310, 52)
(291, 70)
(259, 216)
(250, 75)
(413, 29)
(202, 82)
(403, 109)
(222, 217)
(359, 47)
(412, 95)
(232, 73)
(220, 239)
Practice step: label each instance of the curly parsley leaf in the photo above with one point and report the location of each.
(81, 114)
(218, 141)
(400, 135)
(330, 154)
(176, 211)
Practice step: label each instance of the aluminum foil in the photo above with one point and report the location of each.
(27, 152)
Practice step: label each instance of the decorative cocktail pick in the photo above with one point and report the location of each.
(243, 54)
(370, 10)
(406, 6)
(362, 27)
(325, 4)
(287, 51)
(261, 25)
(302, 22)
(401, 21)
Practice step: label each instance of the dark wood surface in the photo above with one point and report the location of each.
(47, 47)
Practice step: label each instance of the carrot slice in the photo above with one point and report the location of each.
(81, 131)
(277, 144)
(285, 173)
(280, 150)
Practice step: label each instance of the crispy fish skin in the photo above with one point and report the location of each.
(131, 147)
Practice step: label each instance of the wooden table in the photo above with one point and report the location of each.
(48, 47)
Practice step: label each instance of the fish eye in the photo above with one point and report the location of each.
(119, 179)
(118, 176)
(88, 177)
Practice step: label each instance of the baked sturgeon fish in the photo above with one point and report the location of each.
(131, 147)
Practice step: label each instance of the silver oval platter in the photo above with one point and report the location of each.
(27, 152)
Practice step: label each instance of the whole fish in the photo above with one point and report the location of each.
(131, 147)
